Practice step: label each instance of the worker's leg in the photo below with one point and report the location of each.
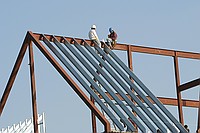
(114, 43)
(109, 41)
(97, 42)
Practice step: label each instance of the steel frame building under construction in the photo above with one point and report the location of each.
(109, 83)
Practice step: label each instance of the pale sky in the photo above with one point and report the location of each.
(160, 24)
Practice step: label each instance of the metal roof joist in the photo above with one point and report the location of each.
(63, 60)
(145, 89)
(79, 49)
(94, 59)
(118, 89)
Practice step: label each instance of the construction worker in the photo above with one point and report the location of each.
(112, 38)
(93, 35)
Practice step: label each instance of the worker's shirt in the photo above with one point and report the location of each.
(93, 35)
(113, 36)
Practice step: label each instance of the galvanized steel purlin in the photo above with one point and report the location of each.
(116, 77)
(145, 89)
(109, 70)
(82, 82)
(127, 80)
(70, 81)
(152, 51)
(82, 71)
(102, 82)
(157, 51)
(133, 48)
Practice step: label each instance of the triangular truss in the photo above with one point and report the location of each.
(106, 79)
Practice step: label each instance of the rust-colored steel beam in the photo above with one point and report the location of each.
(94, 125)
(134, 48)
(173, 102)
(130, 60)
(130, 64)
(35, 38)
(14, 74)
(165, 101)
(177, 77)
(159, 51)
(33, 88)
(189, 85)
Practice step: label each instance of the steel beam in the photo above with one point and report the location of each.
(130, 64)
(177, 77)
(91, 60)
(129, 53)
(134, 48)
(33, 88)
(90, 80)
(124, 86)
(163, 100)
(94, 124)
(158, 51)
(189, 85)
(144, 88)
(14, 73)
(70, 81)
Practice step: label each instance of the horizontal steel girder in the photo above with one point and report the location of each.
(139, 49)
(165, 101)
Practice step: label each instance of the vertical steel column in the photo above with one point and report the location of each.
(33, 88)
(177, 76)
(130, 65)
(94, 125)
(13, 74)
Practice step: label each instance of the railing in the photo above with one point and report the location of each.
(26, 126)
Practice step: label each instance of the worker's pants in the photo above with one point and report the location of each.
(97, 42)
(109, 41)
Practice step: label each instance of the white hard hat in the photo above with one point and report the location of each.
(93, 26)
